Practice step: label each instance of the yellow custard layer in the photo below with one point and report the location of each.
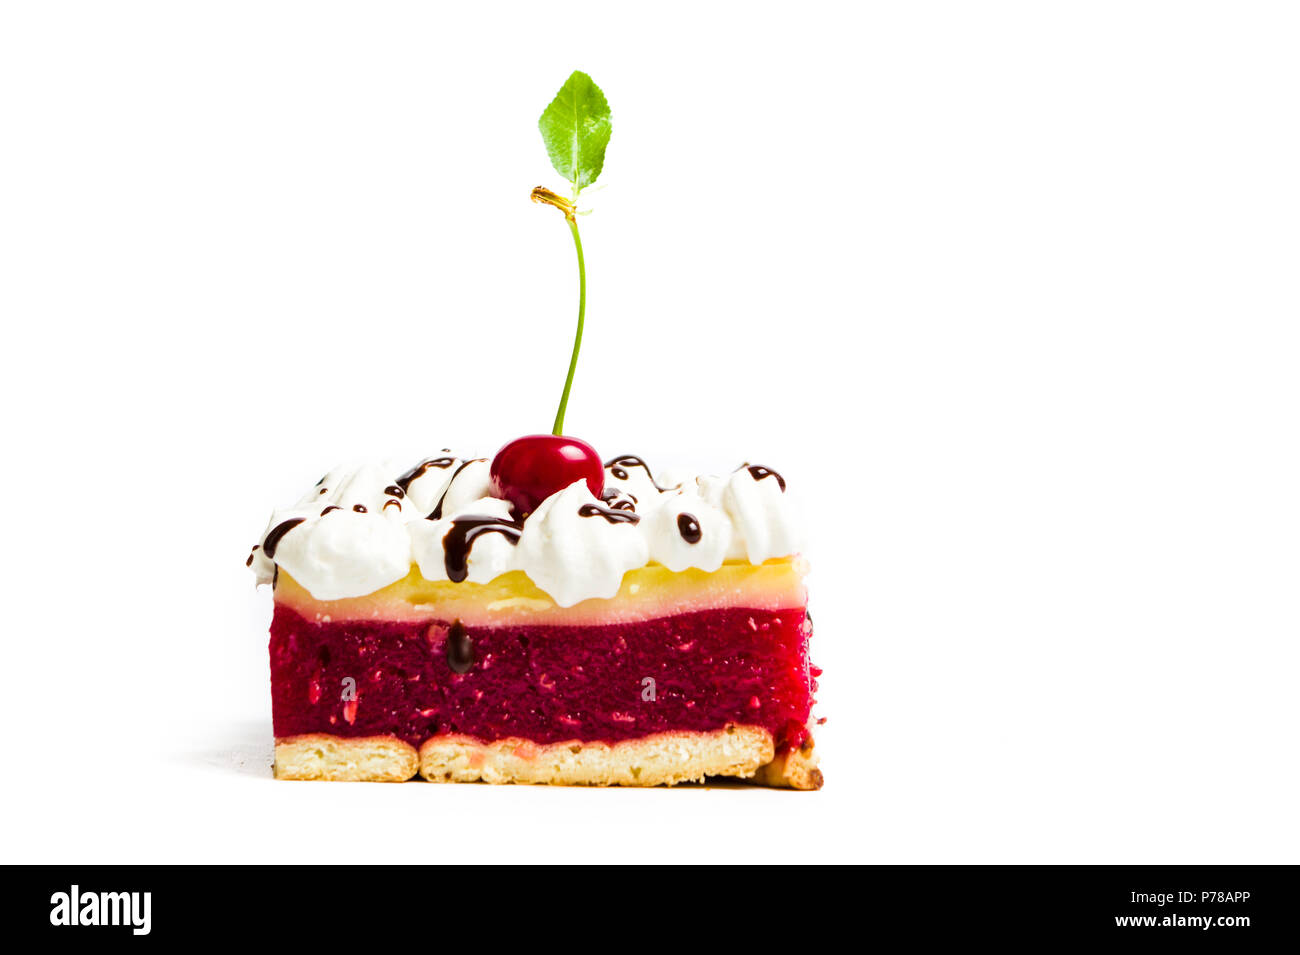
(512, 599)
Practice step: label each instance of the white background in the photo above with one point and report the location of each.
(1007, 291)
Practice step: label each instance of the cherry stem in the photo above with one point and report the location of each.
(567, 206)
(577, 339)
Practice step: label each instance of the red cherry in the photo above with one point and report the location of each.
(529, 470)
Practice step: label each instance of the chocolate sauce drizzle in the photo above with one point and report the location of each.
(689, 527)
(618, 467)
(404, 482)
(610, 515)
(273, 539)
(758, 472)
(332, 507)
(460, 648)
(619, 500)
(395, 490)
(460, 538)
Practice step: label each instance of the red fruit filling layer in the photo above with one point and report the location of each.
(695, 671)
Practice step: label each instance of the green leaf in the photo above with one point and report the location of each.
(575, 128)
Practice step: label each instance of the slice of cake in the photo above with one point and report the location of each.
(541, 618)
(611, 632)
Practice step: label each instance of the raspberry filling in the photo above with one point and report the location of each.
(694, 671)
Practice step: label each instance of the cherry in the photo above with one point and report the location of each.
(529, 470)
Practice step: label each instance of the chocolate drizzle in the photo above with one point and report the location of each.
(395, 490)
(689, 528)
(273, 538)
(359, 508)
(460, 538)
(619, 500)
(618, 467)
(758, 472)
(404, 482)
(610, 514)
(460, 648)
(332, 507)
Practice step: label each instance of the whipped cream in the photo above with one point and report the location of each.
(363, 526)
(574, 547)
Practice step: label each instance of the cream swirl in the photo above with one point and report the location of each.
(486, 560)
(346, 553)
(755, 500)
(361, 528)
(573, 547)
(684, 530)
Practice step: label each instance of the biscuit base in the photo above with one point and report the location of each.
(792, 769)
(663, 759)
(371, 759)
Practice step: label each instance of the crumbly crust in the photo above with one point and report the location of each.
(659, 760)
(792, 769)
(376, 759)
(663, 759)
